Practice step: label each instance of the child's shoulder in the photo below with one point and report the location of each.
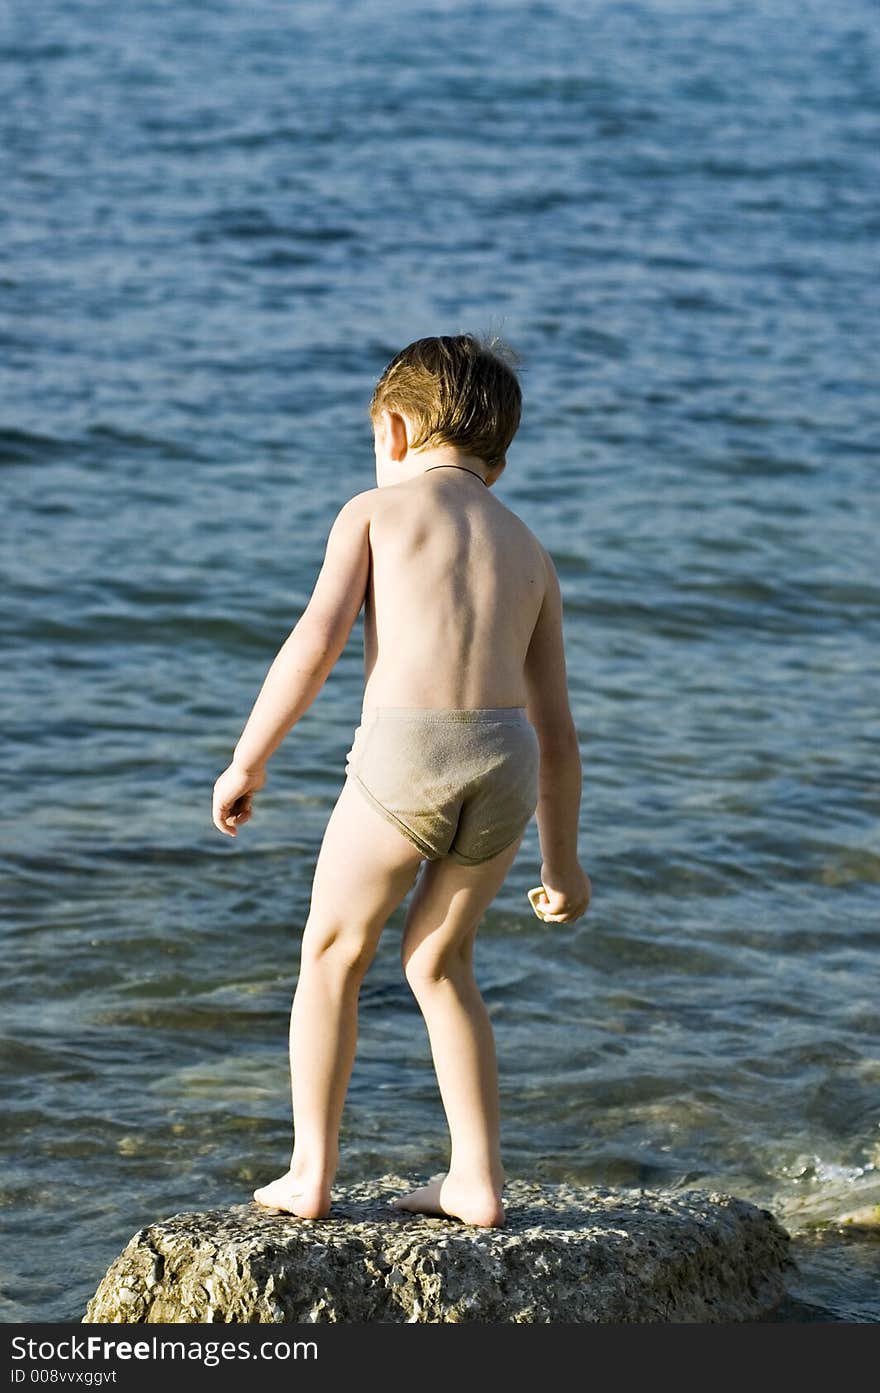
(359, 511)
(355, 513)
(528, 538)
(360, 504)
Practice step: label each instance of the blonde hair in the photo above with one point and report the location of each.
(456, 390)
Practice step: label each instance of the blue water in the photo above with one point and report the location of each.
(219, 222)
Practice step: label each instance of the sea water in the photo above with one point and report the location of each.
(220, 221)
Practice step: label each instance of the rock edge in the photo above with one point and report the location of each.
(567, 1254)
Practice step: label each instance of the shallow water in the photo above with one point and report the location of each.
(220, 224)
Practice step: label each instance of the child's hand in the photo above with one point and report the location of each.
(233, 796)
(560, 899)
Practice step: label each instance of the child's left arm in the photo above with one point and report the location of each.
(303, 663)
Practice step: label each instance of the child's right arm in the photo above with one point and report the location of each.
(302, 664)
(567, 888)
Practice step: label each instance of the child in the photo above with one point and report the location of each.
(465, 730)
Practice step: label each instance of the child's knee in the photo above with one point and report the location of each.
(336, 949)
(426, 966)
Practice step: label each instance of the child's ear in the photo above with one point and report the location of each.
(397, 435)
(496, 471)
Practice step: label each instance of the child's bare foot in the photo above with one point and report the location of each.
(295, 1196)
(458, 1199)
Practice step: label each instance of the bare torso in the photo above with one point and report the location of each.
(455, 586)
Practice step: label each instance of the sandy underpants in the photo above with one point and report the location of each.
(460, 782)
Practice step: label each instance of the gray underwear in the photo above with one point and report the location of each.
(459, 782)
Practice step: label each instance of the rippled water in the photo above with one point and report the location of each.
(219, 223)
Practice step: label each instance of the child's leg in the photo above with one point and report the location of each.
(438, 959)
(365, 868)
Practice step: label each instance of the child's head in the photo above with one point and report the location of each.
(459, 390)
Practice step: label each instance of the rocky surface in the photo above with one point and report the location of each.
(566, 1254)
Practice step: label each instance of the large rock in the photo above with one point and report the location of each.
(566, 1254)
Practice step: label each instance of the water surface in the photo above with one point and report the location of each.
(220, 222)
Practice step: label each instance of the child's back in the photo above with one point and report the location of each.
(455, 589)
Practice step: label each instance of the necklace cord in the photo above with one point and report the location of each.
(457, 466)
